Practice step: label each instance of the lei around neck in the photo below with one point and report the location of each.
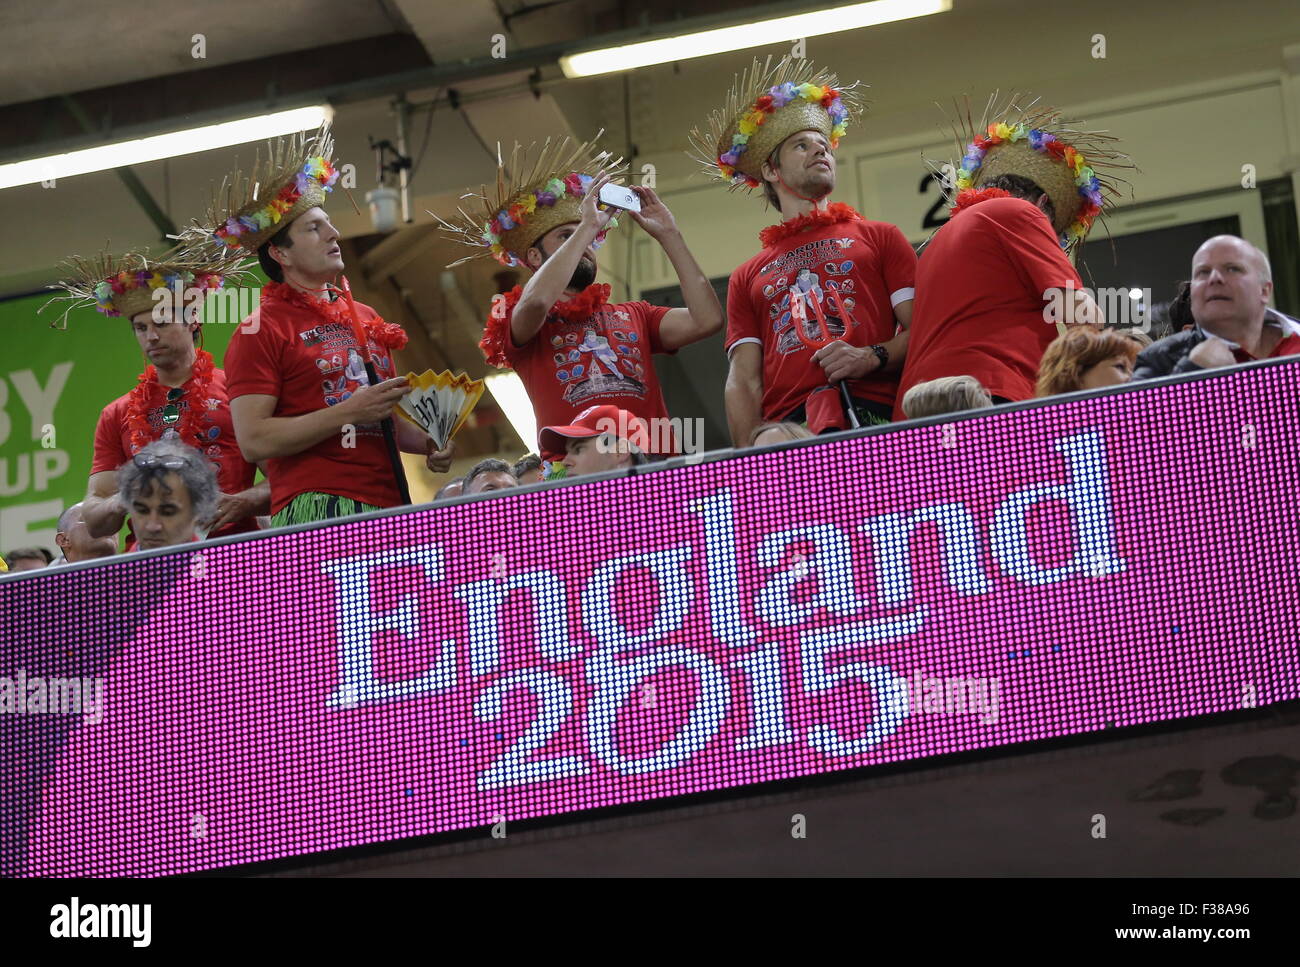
(833, 214)
(139, 403)
(379, 332)
(497, 331)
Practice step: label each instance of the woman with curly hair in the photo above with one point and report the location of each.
(1086, 358)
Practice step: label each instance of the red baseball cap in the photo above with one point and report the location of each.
(592, 422)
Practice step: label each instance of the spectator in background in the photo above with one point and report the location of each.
(601, 438)
(1084, 359)
(74, 540)
(768, 433)
(451, 489)
(1180, 309)
(947, 394)
(167, 488)
(490, 474)
(28, 559)
(1233, 323)
(995, 285)
(528, 469)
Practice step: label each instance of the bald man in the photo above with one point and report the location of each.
(1230, 289)
(74, 540)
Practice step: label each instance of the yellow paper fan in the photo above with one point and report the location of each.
(439, 403)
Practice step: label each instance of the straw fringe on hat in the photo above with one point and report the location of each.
(530, 198)
(1075, 168)
(765, 105)
(124, 285)
(289, 176)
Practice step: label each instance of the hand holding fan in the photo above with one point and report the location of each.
(439, 403)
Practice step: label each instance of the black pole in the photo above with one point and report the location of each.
(848, 406)
(390, 438)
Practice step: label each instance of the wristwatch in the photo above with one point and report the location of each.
(881, 353)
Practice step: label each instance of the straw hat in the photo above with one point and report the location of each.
(1074, 167)
(124, 285)
(765, 106)
(291, 176)
(530, 200)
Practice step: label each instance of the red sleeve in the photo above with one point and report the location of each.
(109, 454)
(899, 266)
(651, 317)
(1026, 238)
(507, 354)
(741, 321)
(252, 362)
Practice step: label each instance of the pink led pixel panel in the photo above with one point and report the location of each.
(1097, 563)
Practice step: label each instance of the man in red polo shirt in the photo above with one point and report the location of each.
(995, 285)
(181, 395)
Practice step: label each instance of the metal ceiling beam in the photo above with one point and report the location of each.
(447, 75)
(133, 184)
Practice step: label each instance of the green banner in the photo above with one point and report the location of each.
(54, 383)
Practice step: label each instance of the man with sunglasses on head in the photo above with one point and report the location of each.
(168, 489)
(180, 395)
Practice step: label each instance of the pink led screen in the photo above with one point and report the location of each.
(1103, 562)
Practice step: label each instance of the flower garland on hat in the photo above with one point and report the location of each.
(107, 291)
(776, 98)
(578, 309)
(139, 404)
(538, 189)
(1044, 142)
(317, 170)
(574, 184)
(127, 284)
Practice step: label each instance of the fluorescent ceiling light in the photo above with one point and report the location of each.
(508, 390)
(828, 20)
(161, 146)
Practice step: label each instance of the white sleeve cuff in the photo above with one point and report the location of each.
(741, 342)
(901, 295)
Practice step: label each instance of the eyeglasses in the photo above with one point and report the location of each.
(151, 461)
(172, 412)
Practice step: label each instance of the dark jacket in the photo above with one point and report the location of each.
(1169, 355)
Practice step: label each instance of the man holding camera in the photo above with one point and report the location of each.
(571, 348)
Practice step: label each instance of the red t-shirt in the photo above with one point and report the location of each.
(979, 299)
(588, 353)
(843, 262)
(303, 352)
(216, 441)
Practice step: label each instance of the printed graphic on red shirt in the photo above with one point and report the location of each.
(304, 353)
(342, 369)
(603, 360)
(604, 357)
(805, 311)
(837, 281)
